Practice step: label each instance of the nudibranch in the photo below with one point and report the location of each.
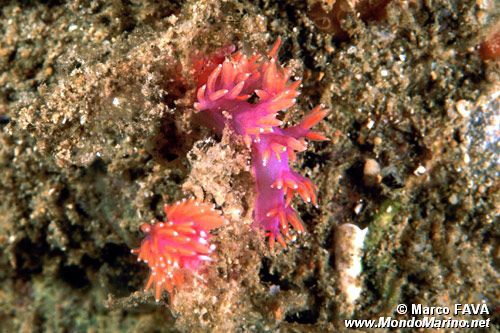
(247, 94)
(178, 245)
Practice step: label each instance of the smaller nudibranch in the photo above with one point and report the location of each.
(178, 244)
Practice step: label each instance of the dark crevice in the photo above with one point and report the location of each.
(303, 317)
(393, 179)
(4, 119)
(268, 277)
(311, 315)
(355, 133)
(312, 159)
(123, 278)
(168, 144)
(134, 174)
(111, 252)
(74, 275)
(29, 257)
(155, 201)
(355, 175)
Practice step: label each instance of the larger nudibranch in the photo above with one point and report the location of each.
(246, 94)
(180, 243)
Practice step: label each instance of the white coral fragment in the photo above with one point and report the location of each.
(349, 240)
